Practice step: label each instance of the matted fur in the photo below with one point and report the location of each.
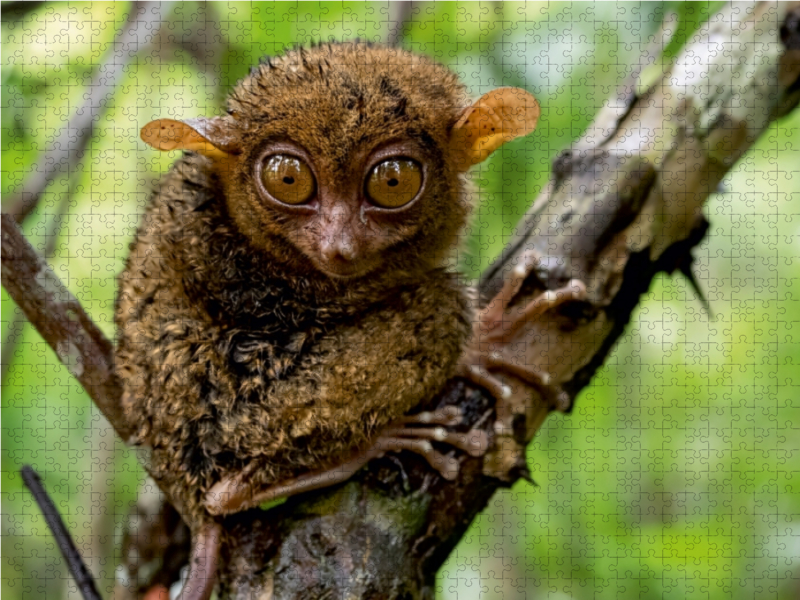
(233, 347)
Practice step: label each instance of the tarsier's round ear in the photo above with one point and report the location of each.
(214, 137)
(496, 118)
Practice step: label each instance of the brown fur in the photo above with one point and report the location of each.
(235, 345)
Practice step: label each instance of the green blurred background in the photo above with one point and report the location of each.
(676, 476)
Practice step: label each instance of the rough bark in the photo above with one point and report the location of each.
(622, 205)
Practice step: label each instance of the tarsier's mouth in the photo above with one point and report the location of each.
(345, 273)
(339, 268)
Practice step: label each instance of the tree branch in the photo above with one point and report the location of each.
(400, 15)
(60, 319)
(68, 147)
(17, 325)
(77, 568)
(77, 341)
(622, 205)
(65, 153)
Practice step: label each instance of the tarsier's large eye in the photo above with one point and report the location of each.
(287, 179)
(394, 182)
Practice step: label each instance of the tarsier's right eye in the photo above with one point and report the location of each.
(287, 179)
(394, 182)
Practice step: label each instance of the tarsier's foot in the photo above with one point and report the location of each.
(416, 432)
(413, 432)
(496, 325)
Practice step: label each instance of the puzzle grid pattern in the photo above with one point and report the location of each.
(677, 474)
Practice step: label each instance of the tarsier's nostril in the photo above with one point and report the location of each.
(338, 248)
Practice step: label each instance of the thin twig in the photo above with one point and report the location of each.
(77, 568)
(201, 38)
(400, 14)
(68, 147)
(17, 11)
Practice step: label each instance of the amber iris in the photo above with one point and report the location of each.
(287, 179)
(394, 182)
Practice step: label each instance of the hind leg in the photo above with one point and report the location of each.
(414, 432)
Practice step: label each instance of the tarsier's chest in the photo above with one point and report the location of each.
(309, 383)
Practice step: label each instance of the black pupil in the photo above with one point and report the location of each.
(288, 180)
(392, 182)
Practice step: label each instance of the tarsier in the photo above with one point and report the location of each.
(287, 299)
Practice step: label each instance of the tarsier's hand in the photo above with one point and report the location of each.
(499, 324)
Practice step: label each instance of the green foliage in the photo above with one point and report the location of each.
(676, 474)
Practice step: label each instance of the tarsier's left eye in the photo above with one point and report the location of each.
(287, 179)
(394, 182)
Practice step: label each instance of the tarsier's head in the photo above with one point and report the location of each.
(352, 154)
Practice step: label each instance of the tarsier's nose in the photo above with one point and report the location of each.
(338, 247)
(337, 243)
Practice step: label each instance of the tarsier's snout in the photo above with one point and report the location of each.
(340, 252)
(339, 256)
